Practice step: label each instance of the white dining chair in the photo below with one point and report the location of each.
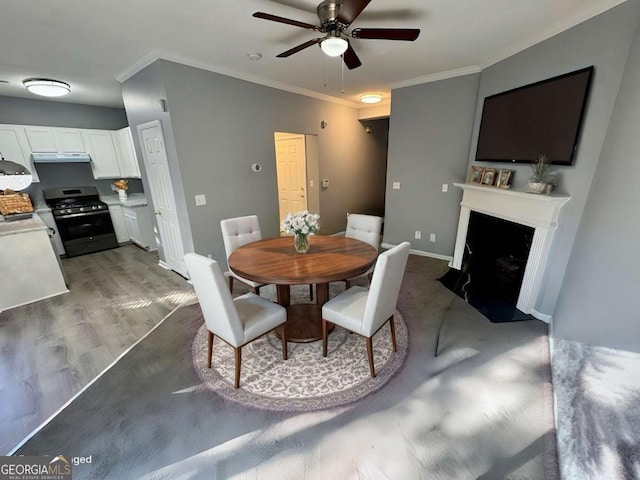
(366, 310)
(237, 232)
(365, 228)
(236, 321)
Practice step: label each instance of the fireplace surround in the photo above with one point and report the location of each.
(541, 212)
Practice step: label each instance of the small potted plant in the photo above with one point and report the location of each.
(542, 179)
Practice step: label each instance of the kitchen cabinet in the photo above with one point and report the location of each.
(14, 146)
(139, 225)
(100, 147)
(125, 153)
(70, 140)
(42, 139)
(119, 223)
(47, 217)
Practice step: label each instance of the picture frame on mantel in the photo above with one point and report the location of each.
(504, 178)
(489, 176)
(476, 175)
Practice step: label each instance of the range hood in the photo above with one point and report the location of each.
(60, 157)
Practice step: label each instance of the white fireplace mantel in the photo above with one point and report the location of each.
(540, 212)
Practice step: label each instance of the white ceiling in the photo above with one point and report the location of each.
(91, 44)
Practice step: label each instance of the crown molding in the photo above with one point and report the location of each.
(153, 55)
(434, 77)
(553, 31)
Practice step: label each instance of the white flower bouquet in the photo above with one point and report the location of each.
(301, 223)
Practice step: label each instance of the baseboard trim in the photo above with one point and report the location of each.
(163, 264)
(541, 316)
(422, 253)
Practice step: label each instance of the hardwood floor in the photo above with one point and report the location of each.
(49, 350)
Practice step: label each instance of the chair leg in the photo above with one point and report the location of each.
(347, 284)
(311, 292)
(256, 290)
(230, 283)
(324, 337)
(370, 355)
(283, 338)
(238, 352)
(393, 333)
(209, 349)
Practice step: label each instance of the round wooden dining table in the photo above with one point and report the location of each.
(275, 261)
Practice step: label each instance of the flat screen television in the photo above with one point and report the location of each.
(541, 118)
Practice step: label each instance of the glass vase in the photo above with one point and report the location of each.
(301, 242)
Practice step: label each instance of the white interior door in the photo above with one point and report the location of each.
(155, 161)
(292, 173)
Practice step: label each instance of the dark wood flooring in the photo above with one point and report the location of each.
(51, 349)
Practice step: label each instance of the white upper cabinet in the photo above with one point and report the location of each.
(126, 154)
(103, 153)
(42, 139)
(70, 140)
(14, 146)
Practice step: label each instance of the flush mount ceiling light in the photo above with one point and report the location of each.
(334, 46)
(254, 57)
(47, 88)
(371, 97)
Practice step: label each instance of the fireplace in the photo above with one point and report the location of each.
(536, 214)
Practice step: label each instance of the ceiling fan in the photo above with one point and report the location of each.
(335, 18)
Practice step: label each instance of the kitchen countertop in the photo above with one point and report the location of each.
(133, 200)
(22, 226)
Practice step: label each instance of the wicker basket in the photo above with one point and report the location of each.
(15, 203)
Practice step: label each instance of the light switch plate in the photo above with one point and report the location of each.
(396, 185)
(201, 200)
(445, 187)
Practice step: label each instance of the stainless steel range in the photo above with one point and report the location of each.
(83, 220)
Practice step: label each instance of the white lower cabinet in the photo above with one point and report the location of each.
(140, 227)
(49, 221)
(119, 223)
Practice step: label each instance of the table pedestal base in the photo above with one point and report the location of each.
(304, 323)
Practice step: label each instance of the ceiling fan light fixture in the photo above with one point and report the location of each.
(334, 46)
(46, 87)
(371, 97)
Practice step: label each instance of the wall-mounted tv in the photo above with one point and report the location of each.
(541, 118)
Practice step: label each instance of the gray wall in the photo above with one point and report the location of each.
(24, 111)
(597, 303)
(604, 42)
(222, 125)
(429, 135)
(141, 95)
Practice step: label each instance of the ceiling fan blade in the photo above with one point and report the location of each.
(300, 47)
(350, 58)
(407, 34)
(350, 10)
(288, 21)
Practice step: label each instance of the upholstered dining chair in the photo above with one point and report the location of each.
(237, 232)
(236, 321)
(365, 228)
(366, 310)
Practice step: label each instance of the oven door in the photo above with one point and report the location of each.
(86, 232)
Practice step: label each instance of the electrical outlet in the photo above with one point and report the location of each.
(418, 235)
(445, 187)
(396, 185)
(432, 237)
(201, 200)
(311, 184)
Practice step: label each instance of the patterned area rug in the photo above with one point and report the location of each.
(306, 381)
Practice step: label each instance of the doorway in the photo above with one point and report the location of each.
(297, 172)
